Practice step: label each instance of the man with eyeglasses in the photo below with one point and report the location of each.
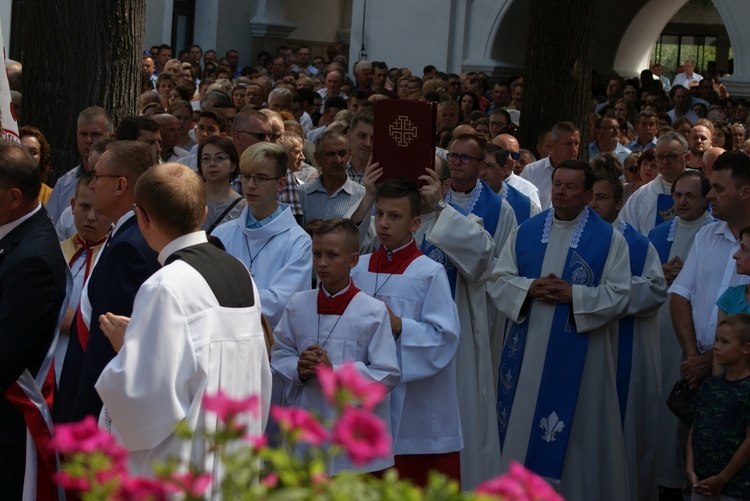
(266, 236)
(454, 86)
(333, 193)
(125, 262)
(304, 57)
(638, 367)
(673, 240)
(511, 150)
(608, 139)
(652, 203)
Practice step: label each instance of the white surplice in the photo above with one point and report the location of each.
(362, 335)
(594, 467)
(179, 345)
(424, 405)
(640, 209)
(279, 256)
(648, 291)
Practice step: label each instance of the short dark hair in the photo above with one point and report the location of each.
(738, 162)
(18, 170)
(214, 115)
(398, 187)
(364, 117)
(340, 225)
(174, 196)
(337, 102)
(578, 165)
(481, 143)
(131, 126)
(705, 182)
(614, 181)
(498, 154)
(227, 146)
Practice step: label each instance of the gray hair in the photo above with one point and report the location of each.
(674, 136)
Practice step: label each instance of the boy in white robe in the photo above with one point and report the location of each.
(195, 329)
(424, 321)
(334, 325)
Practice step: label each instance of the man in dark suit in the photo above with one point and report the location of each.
(32, 291)
(124, 264)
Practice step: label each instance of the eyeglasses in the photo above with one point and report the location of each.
(260, 136)
(258, 180)
(601, 198)
(515, 155)
(219, 158)
(465, 159)
(669, 158)
(690, 197)
(494, 123)
(97, 176)
(145, 214)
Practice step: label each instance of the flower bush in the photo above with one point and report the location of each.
(95, 465)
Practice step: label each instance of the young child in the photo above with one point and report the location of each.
(424, 321)
(331, 326)
(719, 442)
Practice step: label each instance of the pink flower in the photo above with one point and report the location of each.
(83, 436)
(136, 489)
(257, 441)
(191, 483)
(362, 434)
(346, 384)
(270, 480)
(519, 483)
(70, 483)
(227, 408)
(300, 422)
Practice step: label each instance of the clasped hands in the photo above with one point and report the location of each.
(551, 289)
(308, 362)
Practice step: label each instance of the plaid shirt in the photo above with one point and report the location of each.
(289, 195)
(354, 175)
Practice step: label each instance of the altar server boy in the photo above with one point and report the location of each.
(334, 325)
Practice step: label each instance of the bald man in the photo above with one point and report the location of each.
(511, 151)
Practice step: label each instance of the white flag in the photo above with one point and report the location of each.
(8, 119)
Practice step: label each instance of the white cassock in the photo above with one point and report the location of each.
(424, 405)
(179, 345)
(279, 256)
(670, 463)
(460, 242)
(594, 464)
(641, 208)
(361, 335)
(648, 291)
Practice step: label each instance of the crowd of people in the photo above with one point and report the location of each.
(518, 305)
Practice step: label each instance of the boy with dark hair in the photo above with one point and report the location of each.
(719, 442)
(424, 322)
(330, 326)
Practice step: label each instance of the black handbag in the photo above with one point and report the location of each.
(680, 400)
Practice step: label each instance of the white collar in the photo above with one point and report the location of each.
(179, 243)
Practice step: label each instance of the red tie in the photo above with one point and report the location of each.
(83, 331)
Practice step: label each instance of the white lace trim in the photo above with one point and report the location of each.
(579, 228)
(475, 193)
(504, 192)
(672, 230)
(547, 226)
(622, 226)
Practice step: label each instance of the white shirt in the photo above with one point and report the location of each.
(525, 187)
(707, 273)
(539, 173)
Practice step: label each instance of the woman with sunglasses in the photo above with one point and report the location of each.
(219, 164)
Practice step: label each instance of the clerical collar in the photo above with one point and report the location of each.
(179, 243)
(394, 261)
(337, 303)
(253, 224)
(667, 187)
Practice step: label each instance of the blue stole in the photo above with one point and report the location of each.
(484, 203)
(437, 255)
(662, 236)
(664, 208)
(638, 248)
(521, 203)
(566, 349)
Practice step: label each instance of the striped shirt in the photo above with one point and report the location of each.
(317, 204)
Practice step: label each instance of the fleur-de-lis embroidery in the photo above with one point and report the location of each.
(513, 345)
(502, 418)
(551, 426)
(506, 379)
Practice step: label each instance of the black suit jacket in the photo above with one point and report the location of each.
(32, 290)
(125, 263)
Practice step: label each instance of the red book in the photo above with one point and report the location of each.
(404, 137)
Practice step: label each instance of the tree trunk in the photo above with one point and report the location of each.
(79, 53)
(557, 75)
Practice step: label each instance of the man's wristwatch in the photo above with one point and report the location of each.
(440, 206)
